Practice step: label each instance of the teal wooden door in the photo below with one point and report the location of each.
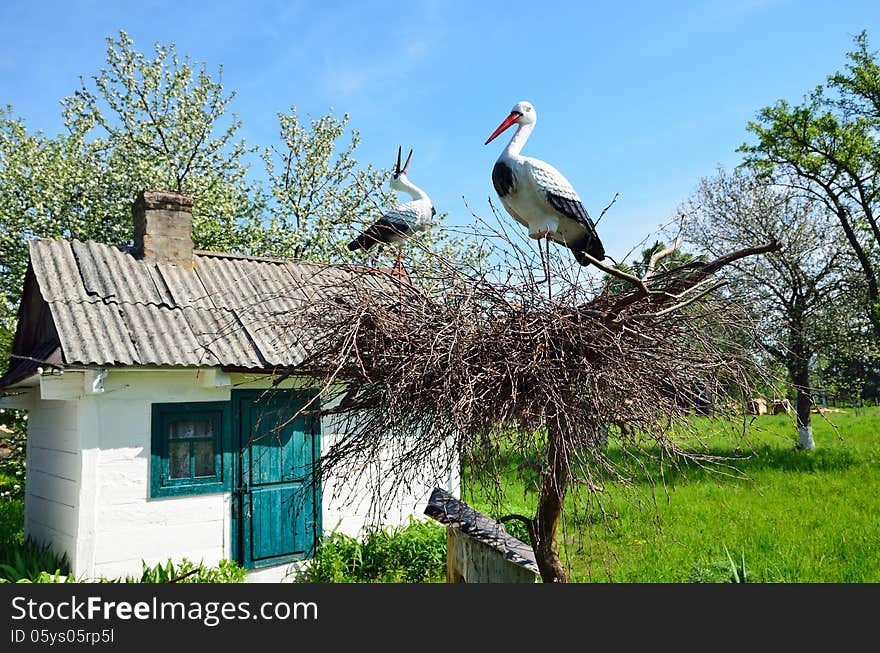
(277, 503)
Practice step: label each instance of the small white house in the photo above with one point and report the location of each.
(152, 429)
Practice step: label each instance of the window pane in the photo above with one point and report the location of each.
(203, 451)
(190, 428)
(178, 460)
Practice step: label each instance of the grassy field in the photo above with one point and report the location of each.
(791, 516)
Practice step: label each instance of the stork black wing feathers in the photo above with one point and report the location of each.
(384, 230)
(575, 210)
(503, 179)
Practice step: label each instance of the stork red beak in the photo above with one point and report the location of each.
(406, 165)
(397, 166)
(508, 121)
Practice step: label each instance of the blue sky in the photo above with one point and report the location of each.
(637, 98)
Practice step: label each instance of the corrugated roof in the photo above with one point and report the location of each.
(93, 333)
(111, 308)
(59, 277)
(113, 275)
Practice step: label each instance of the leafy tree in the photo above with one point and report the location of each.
(46, 185)
(317, 190)
(827, 148)
(799, 294)
(159, 123)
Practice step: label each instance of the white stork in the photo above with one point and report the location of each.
(538, 196)
(403, 220)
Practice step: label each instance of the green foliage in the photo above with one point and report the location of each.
(13, 439)
(337, 559)
(11, 523)
(29, 561)
(414, 554)
(45, 577)
(738, 573)
(720, 571)
(518, 529)
(828, 147)
(186, 571)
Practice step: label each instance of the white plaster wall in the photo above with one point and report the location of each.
(121, 526)
(53, 475)
(368, 498)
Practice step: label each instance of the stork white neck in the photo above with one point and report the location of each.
(518, 140)
(403, 183)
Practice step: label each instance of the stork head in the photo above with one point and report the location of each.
(400, 173)
(522, 113)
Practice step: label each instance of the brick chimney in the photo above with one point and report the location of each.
(163, 227)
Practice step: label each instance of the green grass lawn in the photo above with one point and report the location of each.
(793, 516)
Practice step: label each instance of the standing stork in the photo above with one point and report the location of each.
(539, 197)
(403, 220)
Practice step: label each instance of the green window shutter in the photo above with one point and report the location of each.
(190, 448)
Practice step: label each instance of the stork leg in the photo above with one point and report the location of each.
(543, 264)
(398, 267)
(398, 270)
(547, 271)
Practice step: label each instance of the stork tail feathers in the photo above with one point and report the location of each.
(364, 241)
(591, 246)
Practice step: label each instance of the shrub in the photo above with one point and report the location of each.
(337, 559)
(13, 434)
(226, 571)
(11, 523)
(414, 554)
(29, 561)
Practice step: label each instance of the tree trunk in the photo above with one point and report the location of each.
(554, 484)
(801, 378)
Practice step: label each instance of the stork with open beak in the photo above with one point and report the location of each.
(538, 196)
(403, 220)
